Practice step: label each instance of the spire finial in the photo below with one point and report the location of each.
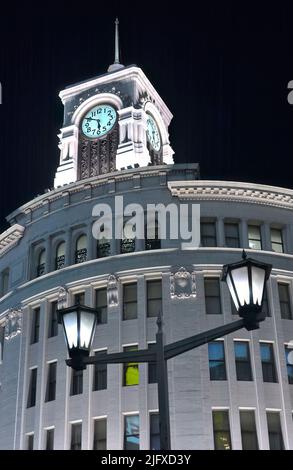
(116, 65)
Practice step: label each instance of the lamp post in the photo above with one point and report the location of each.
(246, 281)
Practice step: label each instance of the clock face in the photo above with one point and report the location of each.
(98, 121)
(153, 133)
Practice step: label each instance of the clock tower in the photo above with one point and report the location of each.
(112, 122)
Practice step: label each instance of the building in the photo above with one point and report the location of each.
(236, 392)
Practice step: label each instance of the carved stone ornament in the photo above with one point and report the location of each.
(12, 323)
(112, 291)
(62, 298)
(182, 284)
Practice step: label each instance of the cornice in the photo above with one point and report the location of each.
(10, 238)
(232, 191)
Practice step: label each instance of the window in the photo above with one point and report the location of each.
(208, 234)
(53, 320)
(129, 301)
(232, 235)
(60, 256)
(35, 325)
(100, 374)
(2, 338)
(154, 432)
(4, 282)
(154, 298)
(152, 369)
(30, 442)
(275, 430)
(32, 392)
(152, 239)
(51, 382)
(101, 305)
(268, 362)
(242, 360)
(277, 240)
(248, 430)
(217, 360)
(103, 248)
(76, 382)
(127, 243)
(221, 426)
(100, 434)
(212, 296)
(81, 249)
(131, 432)
(76, 430)
(289, 363)
(285, 304)
(49, 439)
(254, 237)
(41, 264)
(265, 304)
(79, 298)
(130, 370)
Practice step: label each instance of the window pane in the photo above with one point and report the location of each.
(217, 360)
(101, 305)
(275, 431)
(248, 430)
(100, 434)
(76, 430)
(53, 320)
(50, 439)
(35, 325)
(51, 382)
(32, 388)
(131, 432)
(30, 442)
(242, 360)
(154, 432)
(254, 237)
(212, 296)
(129, 301)
(268, 362)
(100, 374)
(277, 240)
(265, 304)
(221, 428)
(76, 382)
(79, 298)
(208, 234)
(130, 370)
(285, 304)
(232, 235)
(154, 298)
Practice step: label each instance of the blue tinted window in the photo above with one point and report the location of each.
(217, 361)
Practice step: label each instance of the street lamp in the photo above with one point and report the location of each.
(246, 281)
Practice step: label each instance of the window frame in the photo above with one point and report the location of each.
(223, 361)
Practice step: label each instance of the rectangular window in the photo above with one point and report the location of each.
(265, 304)
(221, 426)
(154, 298)
(268, 362)
(32, 392)
(100, 434)
(154, 432)
(101, 305)
(254, 237)
(53, 320)
(35, 331)
(275, 430)
(212, 296)
(217, 360)
(285, 304)
(100, 374)
(277, 240)
(129, 301)
(208, 234)
(51, 382)
(130, 370)
(76, 382)
(232, 235)
(242, 360)
(76, 430)
(29, 442)
(152, 369)
(289, 363)
(2, 338)
(131, 432)
(49, 439)
(79, 298)
(248, 430)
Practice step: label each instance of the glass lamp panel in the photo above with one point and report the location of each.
(87, 323)
(232, 292)
(240, 278)
(70, 327)
(258, 282)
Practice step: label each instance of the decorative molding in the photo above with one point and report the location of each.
(231, 191)
(12, 323)
(10, 238)
(62, 298)
(182, 284)
(112, 291)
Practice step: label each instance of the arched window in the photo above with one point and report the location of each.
(103, 248)
(152, 236)
(41, 262)
(81, 249)
(60, 255)
(127, 244)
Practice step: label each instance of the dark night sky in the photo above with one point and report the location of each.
(223, 71)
